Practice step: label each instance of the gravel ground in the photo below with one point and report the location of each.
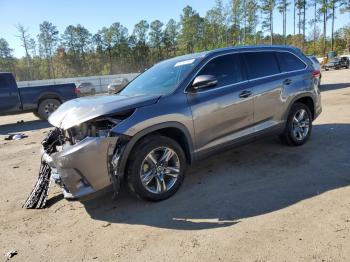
(259, 202)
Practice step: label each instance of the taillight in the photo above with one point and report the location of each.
(316, 73)
(77, 90)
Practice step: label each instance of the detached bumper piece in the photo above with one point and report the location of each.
(38, 196)
(40, 192)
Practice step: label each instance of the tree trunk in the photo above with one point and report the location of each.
(271, 24)
(285, 22)
(294, 22)
(324, 27)
(333, 17)
(304, 22)
(315, 21)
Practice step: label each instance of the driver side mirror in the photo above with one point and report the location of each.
(204, 81)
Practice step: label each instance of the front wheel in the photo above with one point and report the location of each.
(299, 125)
(156, 168)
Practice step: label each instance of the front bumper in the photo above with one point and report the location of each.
(84, 168)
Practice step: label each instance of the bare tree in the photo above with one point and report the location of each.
(26, 43)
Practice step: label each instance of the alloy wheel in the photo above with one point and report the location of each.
(160, 170)
(301, 125)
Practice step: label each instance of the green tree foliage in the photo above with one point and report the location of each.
(112, 50)
(267, 8)
(191, 31)
(156, 36)
(48, 39)
(171, 33)
(6, 58)
(76, 43)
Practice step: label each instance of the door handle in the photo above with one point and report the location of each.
(245, 94)
(287, 81)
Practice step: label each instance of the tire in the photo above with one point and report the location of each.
(47, 107)
(93, 92)
(139, 164)
(36, 114)
(290, 136)
(326, 69)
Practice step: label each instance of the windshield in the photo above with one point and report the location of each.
(162, 78)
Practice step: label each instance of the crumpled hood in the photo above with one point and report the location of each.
(80, 110)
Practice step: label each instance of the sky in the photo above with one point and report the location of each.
(95, 14)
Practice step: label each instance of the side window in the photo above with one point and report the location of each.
(289, 62)
(227, 69)
(3, 82)
(261, 64)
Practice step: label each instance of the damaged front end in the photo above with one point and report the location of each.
(87, 161)
(84, 160)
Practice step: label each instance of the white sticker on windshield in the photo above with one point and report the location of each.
(186, 62)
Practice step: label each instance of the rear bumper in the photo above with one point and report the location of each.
(84, 168)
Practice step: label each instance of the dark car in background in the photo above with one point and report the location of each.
(333, 63)
(41, 100)
(337, 63)
(178, 112)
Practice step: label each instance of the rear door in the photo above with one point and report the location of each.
(264, 75)
(221, 111)
(9, 99)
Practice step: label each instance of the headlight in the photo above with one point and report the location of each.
(99, 127)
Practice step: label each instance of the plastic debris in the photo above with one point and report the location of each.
(16, 137)
(11, 254)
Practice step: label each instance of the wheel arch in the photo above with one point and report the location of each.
(174, 130)
(305, 99)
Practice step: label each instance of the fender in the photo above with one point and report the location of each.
(133, 140)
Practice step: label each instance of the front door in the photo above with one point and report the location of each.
(221, 111)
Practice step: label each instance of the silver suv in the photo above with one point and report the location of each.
(177, 112)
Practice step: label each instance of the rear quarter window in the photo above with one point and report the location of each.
(290, 62)
(261, 64)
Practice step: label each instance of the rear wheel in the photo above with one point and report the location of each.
(36, 114)
(47, 107)
(156, 168)
(299, 125)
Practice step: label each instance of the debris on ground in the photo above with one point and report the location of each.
(10, 254)
(15, 137)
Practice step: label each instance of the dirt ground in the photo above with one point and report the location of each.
(259, 202)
